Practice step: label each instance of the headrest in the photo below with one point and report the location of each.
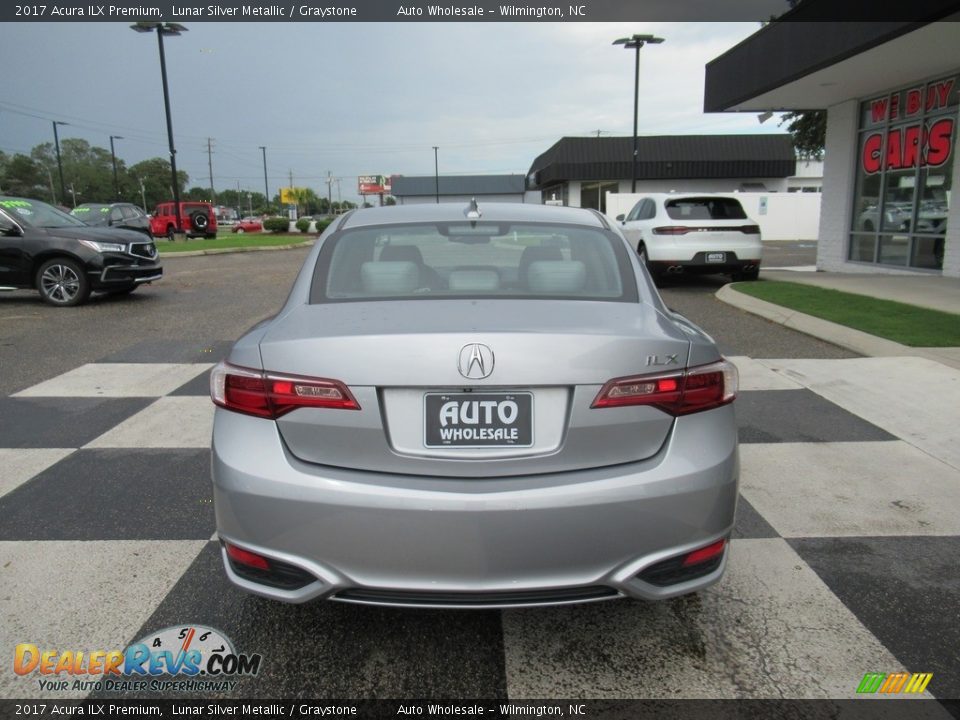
(556, 276)
(389, 278)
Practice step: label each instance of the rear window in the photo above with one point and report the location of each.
(705, 208)
(482, 260)
(92, 214)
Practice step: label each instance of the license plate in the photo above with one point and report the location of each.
(716, 257)
(478, 420)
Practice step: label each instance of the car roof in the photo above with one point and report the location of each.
(689, 195)
(456, 212)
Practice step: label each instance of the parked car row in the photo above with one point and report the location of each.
(66, 259)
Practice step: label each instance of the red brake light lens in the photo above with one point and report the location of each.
(245, 557)
(671, 230)
(705, 553)
(681, 393)
(269, 395)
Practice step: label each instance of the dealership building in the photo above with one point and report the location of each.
(580, 171)
(891, 91)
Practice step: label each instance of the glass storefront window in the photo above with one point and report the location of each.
(904, 174)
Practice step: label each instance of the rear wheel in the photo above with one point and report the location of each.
(171, 233)
(746, 275)
(240, 231)
(645, 261)
(62, 282)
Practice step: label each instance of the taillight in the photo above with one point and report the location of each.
(671, 230)
(270, 395)
(681, 393)
(245, 557)
(750, 229)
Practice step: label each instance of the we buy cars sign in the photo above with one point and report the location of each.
(901, 144)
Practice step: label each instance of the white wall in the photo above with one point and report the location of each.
(840, 153)
(789, 216)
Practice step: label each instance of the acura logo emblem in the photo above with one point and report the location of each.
(475, 362)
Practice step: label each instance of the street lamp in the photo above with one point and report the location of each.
(636, 42)
(162, 29)
(266, 190)
(56, 142)
(113, 157)
(436, 173)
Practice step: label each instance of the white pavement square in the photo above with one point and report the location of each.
(850, 489)
(19, 465)
(118, 380)
(169, 422)
(754, 375)
(917, 400)
(77, 595)
(771, 628)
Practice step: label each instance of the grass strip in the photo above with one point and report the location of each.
(902, 323)
(227, 242)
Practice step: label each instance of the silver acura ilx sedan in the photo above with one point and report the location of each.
(474, 406)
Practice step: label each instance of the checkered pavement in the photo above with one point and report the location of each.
(843, 560)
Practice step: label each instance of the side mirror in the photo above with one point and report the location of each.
(620, 217)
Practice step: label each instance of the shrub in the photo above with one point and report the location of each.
(323, 224)
(276, 224)
(303, 224)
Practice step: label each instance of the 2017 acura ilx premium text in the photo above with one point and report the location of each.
(65, 259)
(474, 407)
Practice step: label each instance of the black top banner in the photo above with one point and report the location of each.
(473, 11)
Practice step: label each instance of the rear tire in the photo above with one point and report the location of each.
(645, 261)
(746, 275)
(240, 231)
(62, 282)
(199, 221)
(171, 233)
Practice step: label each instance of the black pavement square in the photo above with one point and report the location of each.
(200, 385)
(338, 650)
(58, 422)
(769, 416)
(114, 495)
(906, 591)
(751, 524)
(172, 351)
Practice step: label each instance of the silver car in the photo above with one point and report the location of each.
(463, 406)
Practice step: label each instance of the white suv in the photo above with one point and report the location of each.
(695, 233)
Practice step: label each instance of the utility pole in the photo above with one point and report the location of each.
(113, 157)
(143, 193)
(74, 194)
(436, 173)
(56, 141)
(329, 194)
(213, 193)
(266, 190)
(53, 193)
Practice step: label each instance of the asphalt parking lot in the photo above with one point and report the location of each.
(842, 563)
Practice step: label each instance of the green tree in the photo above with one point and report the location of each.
(23, 176)
(155, 176)
(809, 131)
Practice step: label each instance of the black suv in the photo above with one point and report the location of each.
(117, 215)
(66, 259)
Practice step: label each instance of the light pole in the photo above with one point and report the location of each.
(266, 190)
(636, 42)
(436, 173)
(172, 29)
(113, 157)
(56, 142)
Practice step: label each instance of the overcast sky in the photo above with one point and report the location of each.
(354, 99)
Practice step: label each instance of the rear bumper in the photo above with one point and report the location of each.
(699, 265)
(475, 542)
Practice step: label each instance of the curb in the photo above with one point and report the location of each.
(226, 251)
(855, 340)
